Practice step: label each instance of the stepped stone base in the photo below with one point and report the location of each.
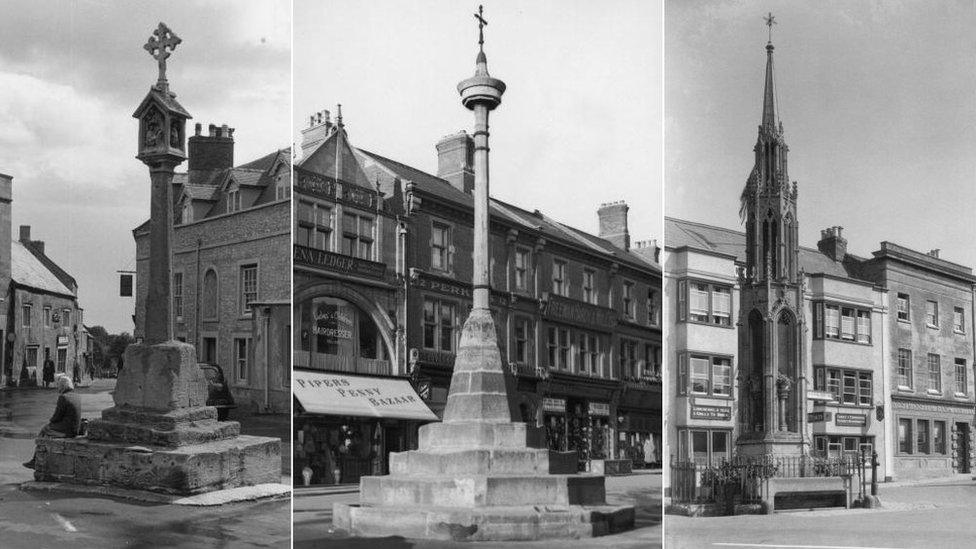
(510, 523)
(171, 429)
(480, 434)
(482, 490)
(187, 470)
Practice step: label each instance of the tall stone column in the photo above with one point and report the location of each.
(159, 304)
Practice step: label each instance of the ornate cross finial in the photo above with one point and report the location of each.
(481, 26)
(162, 39)
(770, 21)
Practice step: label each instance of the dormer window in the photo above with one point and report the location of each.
(186, 213)
(233, 200)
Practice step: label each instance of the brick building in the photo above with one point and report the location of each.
(231, 276)
(40, 317)
(386, 249)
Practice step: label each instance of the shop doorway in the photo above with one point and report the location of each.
(962, 448)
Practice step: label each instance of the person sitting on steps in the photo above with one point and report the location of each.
(66, 421)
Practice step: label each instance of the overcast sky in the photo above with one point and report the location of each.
(72, 73)
(878, 104)
(580, 123)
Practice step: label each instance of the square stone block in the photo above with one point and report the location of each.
(160, 377)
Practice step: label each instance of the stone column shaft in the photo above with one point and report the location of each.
(482, 257)
(159, 306)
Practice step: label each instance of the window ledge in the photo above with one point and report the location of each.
(841, 340)
(932, 326)
(933, 392)
(959, 332)
(905, 320)
(701, 323)
(960, 395)
(905, 389)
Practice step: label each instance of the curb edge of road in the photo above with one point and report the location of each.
(228, 496)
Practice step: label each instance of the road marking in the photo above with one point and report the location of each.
(799, 546)
(65, 523)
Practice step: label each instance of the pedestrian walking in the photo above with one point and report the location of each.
(48, 373)
(648, 452)
(76, 373)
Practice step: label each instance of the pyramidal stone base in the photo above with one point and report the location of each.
(160, 436)
(479, 475)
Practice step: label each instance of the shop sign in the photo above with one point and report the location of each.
(450, 287)
(316, 184)
(851, 420)
(563, 309)
(333, 322)
(599, 409)
(711, 412)
(351, 395)
(818, 417)
(554, 404)
(435, 358)
(820, 395)
(62, 340)
(338, 263)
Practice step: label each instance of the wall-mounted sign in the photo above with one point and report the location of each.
(554, 405)
(419, 279)
(818, 417)
(711, 412)
(316, 184)
(577, 312)
(599, 409)
(62, 341)
(343, 264)
(851, 420)
(820, 395)
(429, 357)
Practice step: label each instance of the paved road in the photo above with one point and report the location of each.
(313, 519)
(34, 520)
(915, 516)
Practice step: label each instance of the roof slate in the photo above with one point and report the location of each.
(28, 270)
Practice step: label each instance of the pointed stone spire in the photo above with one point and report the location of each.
(769, 94)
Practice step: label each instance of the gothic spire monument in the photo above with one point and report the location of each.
(481, 474)
(772, 372)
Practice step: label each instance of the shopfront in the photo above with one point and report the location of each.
(346, 425)
(575, 424)
(338, 335)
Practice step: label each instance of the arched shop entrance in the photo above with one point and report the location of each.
(337, 333)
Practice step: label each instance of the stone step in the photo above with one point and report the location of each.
(187, 470)
(483, 490)
(483, 461)
(480, 434)
(503, 523)
(180, 435)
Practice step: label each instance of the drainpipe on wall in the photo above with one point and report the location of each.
(196, 312)
(267, 359)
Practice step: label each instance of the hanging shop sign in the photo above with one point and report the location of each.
(818, 417)
(62, 341)
(599, 409)
(711, 412)
(851, 420)
(554, 405)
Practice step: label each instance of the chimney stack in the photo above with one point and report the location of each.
(934, 253)
(613, 224)
(209, 153)
(319, 128)
(648, 249)
(25, 233)
(832, 244)
(455, 161)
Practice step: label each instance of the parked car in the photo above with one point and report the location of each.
(218, 394)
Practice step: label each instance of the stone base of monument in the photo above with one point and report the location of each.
(498, 523)
(160, 436)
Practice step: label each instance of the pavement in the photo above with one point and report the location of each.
(313, 520)
(914, 515)
(41, 519)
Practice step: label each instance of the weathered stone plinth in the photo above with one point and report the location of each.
(479, 475)
(160, 436)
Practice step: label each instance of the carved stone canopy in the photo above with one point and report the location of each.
(162, 128)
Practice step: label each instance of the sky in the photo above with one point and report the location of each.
(579, 125)
(877, 101)
(71, 75)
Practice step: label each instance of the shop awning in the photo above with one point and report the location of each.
(351, 395)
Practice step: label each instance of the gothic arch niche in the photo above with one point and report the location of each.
(757, 342)
(786, 378)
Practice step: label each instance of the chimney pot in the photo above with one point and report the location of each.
(25, 233)
(197, 128)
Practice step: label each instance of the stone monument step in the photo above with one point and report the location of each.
(478, 461)
(183, 434)
(480, 434)
(502, 523)
(483, 490)
(161, 420)
(187, 470)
